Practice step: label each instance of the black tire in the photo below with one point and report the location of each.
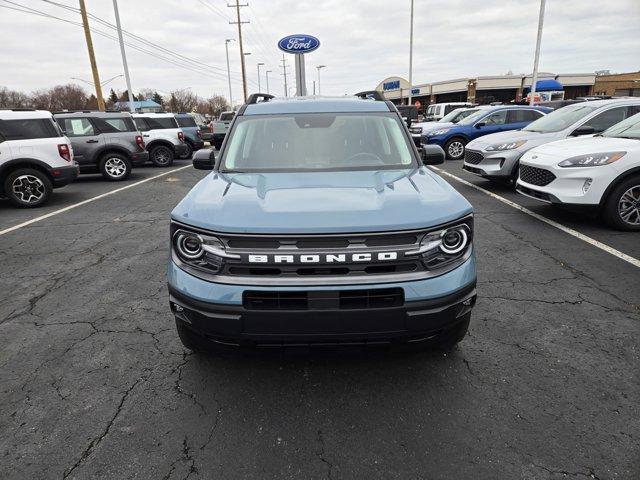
(161, 156)
(115, 167)
(190, 339)
(452, 148)
(623, 199)
(27, 188)
(190, 150)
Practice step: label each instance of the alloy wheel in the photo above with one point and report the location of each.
(629, 206)
(161, 156)
(28, 188)
(456, 149)
(115, 167)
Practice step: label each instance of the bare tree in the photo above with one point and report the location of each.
(13, 98)
(60, 97)
(182, 101)
(213, 106)
(146, 93)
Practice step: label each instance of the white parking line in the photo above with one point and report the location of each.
(617, 253)
(88, 200)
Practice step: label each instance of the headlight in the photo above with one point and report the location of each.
(199, 250)
(444, 246)
(442, 131)
(499, 147)
(592, 160)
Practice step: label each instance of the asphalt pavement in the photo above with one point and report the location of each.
(94, 383)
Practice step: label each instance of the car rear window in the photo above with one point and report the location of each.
(225, 117)
(115, 124)
(25, 129)
(160, 123)
(186, 122)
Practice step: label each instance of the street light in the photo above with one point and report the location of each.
(226, 47)
(259, 88)
(318, 68)
(410, 59)
(267, 75)
(534, 78)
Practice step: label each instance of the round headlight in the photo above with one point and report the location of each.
(454, 240)
(188, 245)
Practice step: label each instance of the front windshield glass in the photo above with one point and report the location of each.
(474, 117)
(629, 128)
(317, 142)
(560, 119)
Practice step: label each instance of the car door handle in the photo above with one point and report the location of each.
(145, 135)
(92, 141)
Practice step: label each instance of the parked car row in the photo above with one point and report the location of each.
(40, 151)
(584, 154)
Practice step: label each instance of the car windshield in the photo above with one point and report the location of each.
(458, 114)
(560, 119)
(317, 142)
(629, 128)
(474, 117)
(225, 117)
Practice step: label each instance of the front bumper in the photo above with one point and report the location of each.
(493, 164)
(221, 312)
(138, 159)
(61, 176)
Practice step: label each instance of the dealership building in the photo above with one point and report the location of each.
(506, 88)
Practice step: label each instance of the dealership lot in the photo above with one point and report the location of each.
(95, 383)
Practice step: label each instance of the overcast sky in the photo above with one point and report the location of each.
(362, 42)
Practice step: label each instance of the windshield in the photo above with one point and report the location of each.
(226, 117)
(458, 114)
(629, 128)
(474, 117)
(560, 119)
(317, 142)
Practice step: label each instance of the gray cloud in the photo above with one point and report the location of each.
(362, 41)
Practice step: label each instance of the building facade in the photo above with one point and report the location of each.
(618, 85)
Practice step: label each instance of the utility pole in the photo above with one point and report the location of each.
(284, 69)
(534, 80)
(239, 23)
(266, 74)
(226, 47)
(410, 55)
(92, 56)
(259, 87)
(132, 108)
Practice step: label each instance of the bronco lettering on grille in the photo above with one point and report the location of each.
(325, 258)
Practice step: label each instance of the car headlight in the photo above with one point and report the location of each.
(592, 160)
(499, 147)
(442, 131)
(201, 251)
(446, 245)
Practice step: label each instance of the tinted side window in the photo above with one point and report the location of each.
(186, 122)
(115, 125)
(141, 124)
(27, 129)
(161, 122)
(604, 120)
(522, 115)
(77, 127)
(497, 118)
(633, 110)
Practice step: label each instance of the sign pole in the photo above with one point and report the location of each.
(301, 79)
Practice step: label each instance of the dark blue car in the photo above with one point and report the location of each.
(486, 120)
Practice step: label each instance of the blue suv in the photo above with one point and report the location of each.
(192, 133)
(488, 119)
(319, 225)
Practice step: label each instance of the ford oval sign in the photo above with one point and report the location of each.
(298, 44)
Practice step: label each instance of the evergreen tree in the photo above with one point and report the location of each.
(112, 96)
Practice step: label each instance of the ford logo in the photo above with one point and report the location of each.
(298, 44)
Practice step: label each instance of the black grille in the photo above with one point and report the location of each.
(473, 157)
(323, 300)
(536, 176)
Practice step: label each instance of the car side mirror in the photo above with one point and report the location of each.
(432, 154)
(583, 130)
(480, 124)
(204, 159)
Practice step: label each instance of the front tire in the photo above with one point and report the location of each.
(454, 148)
(27, 188)
(161, 156)
(622, 207)
(115, 167)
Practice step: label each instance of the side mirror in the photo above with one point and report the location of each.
(583, 130)
(432, 154)
(204, 159)
(480, 124)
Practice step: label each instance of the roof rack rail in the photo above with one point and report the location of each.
(253, 98)
(371, 94)
(20, 109)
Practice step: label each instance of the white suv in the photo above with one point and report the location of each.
(600, 171)
(163, 137)
(35, 157)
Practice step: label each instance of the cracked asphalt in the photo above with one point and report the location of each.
(94, 383)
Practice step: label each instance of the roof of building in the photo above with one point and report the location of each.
(315, 104)
(139, 104)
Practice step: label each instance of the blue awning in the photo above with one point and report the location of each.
(549, 85)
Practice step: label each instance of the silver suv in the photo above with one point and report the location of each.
(163, 136)
(104, 142)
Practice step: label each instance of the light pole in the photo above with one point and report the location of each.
(534, 80)
(259, 87)
(124, 57)
(226, 47)
(410, 55)
(319, 67)
(266, 74)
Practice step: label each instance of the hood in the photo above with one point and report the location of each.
(533, 139)
(431, 126)
(321, 202)
(553, 152)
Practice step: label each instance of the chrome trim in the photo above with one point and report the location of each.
(531, 196)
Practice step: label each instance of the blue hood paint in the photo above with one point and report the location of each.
(321, 202)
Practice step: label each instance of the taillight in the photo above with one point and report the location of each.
(140, 141)
(181, 136)
(64, 151)
(199, 133)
